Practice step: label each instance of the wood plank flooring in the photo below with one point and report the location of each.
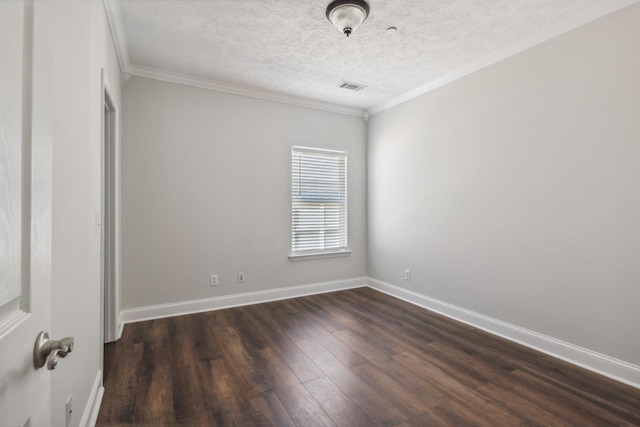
(349, 358)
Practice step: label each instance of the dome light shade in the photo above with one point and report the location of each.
(347, 15)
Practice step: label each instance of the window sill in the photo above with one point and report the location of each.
(318, 255)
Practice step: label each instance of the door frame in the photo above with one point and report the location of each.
(111, 327)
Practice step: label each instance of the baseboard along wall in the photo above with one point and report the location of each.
(602, 364)
(90, 413)
(236, 300)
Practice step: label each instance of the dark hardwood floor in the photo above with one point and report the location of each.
(349, 358)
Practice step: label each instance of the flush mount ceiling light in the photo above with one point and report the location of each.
(347, 15)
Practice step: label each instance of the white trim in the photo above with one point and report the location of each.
(90, 413)
(184, 79)
(120, 328)
(120, 325)
(114, 17)
(111, 294)
(618, 370)
(237, 300)
(118, 219)
(318, 255)
(597, 11)
(602, 364)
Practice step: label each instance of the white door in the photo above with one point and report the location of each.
(25, 208)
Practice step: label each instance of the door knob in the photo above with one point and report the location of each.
(47, 350)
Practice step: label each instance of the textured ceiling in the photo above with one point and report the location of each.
(289, 47)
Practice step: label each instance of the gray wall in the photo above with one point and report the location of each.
(514, 192)
(206, 190)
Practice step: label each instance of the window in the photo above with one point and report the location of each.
(318, 203)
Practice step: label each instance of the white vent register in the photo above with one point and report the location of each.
(352, 86)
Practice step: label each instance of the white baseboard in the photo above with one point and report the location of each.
(90, 413)
(236, 300)
(608, 366)
(120, 327)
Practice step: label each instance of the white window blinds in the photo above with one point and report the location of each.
(318, 201)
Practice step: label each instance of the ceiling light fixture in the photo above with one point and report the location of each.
(347, 15)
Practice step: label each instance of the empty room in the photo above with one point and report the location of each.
(320, 213)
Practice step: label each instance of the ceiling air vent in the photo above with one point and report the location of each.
(352, 86)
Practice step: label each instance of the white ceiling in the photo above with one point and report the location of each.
(288, 48)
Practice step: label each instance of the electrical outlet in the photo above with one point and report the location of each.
(241, 277)
(213, 281)
(407, 275)
(68, 411)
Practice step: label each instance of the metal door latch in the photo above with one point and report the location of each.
(47, 350)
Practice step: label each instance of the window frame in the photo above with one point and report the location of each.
(339, 251)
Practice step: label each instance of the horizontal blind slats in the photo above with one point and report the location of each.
(318, 200)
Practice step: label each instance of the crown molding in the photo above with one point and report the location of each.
(127, 69)
(114, 17)
(184, 79)
(588, 15)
